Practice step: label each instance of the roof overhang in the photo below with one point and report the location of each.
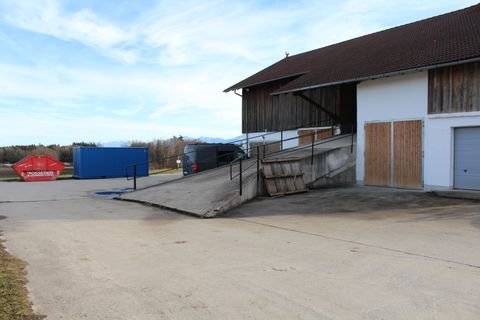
(236, 87)
(373, 77)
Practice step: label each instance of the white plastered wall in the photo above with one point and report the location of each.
(269, 137)
(439, 147)
(403, 97)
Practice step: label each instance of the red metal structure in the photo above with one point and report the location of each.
(38, 168)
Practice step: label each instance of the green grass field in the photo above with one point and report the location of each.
(8, 175)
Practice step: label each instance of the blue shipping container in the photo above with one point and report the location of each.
(96, 162)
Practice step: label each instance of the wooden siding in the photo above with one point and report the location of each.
(454, 89)
(407, 154)
(265, 149)
(305, 136)
(263, 112)
(377, 154)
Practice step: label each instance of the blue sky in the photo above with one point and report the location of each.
(137, 70)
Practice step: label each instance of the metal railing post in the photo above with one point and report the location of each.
(248, 146)
(134, 177)
(281, 140)
(258, 167)
(240, 178)
(313, 146)
(351, 146)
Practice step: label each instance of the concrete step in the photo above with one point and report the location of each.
(459, 194)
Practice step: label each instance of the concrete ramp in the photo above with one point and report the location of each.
(211, 193)
(205, 194)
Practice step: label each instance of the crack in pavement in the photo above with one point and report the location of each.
(361, 243)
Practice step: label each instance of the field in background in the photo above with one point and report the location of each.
(7, 173)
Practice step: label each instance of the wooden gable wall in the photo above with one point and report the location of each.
(454, 89)
(263, 112)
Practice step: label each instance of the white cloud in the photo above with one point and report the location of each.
(168, 64)
(47, 17)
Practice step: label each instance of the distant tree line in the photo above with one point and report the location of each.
(12, 154)
(163, 153)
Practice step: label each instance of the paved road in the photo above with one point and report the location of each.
(357, 253)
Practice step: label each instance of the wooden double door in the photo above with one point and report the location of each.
(394, 154)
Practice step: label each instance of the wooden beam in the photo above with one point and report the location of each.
(316, 104)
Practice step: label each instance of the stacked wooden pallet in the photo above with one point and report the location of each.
(283, 176)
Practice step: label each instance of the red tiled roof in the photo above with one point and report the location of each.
(427, 43)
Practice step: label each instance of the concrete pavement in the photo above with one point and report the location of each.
(355, 253)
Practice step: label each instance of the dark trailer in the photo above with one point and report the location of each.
(204, 156)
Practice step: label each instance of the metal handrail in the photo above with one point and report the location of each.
(296, 148)
(329, 123)
(283, 150)
(324, 124)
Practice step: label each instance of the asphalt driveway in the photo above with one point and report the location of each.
(353, 253)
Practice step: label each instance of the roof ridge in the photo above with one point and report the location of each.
(448, 37)
(451, 13)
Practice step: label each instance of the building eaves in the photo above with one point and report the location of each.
(436, 41)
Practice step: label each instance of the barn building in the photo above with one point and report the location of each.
(411, 93)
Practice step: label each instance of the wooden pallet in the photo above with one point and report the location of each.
(283, 176)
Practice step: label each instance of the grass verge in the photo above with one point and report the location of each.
(160, 171)
(14, 304)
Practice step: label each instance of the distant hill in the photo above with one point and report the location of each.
(115, 144)
(119, 143)
(218, 140)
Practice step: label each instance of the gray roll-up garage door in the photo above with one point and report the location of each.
(467, 158)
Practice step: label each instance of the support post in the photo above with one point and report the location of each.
(316, 104)
(240, 177)
(258, 167)
(134, 177)
(248, 147)
(281, 140)
(313, 146)
(351, 146)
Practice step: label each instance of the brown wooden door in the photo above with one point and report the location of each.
(378, 154)
(407, 154)
(306, 136)
(394, 154)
